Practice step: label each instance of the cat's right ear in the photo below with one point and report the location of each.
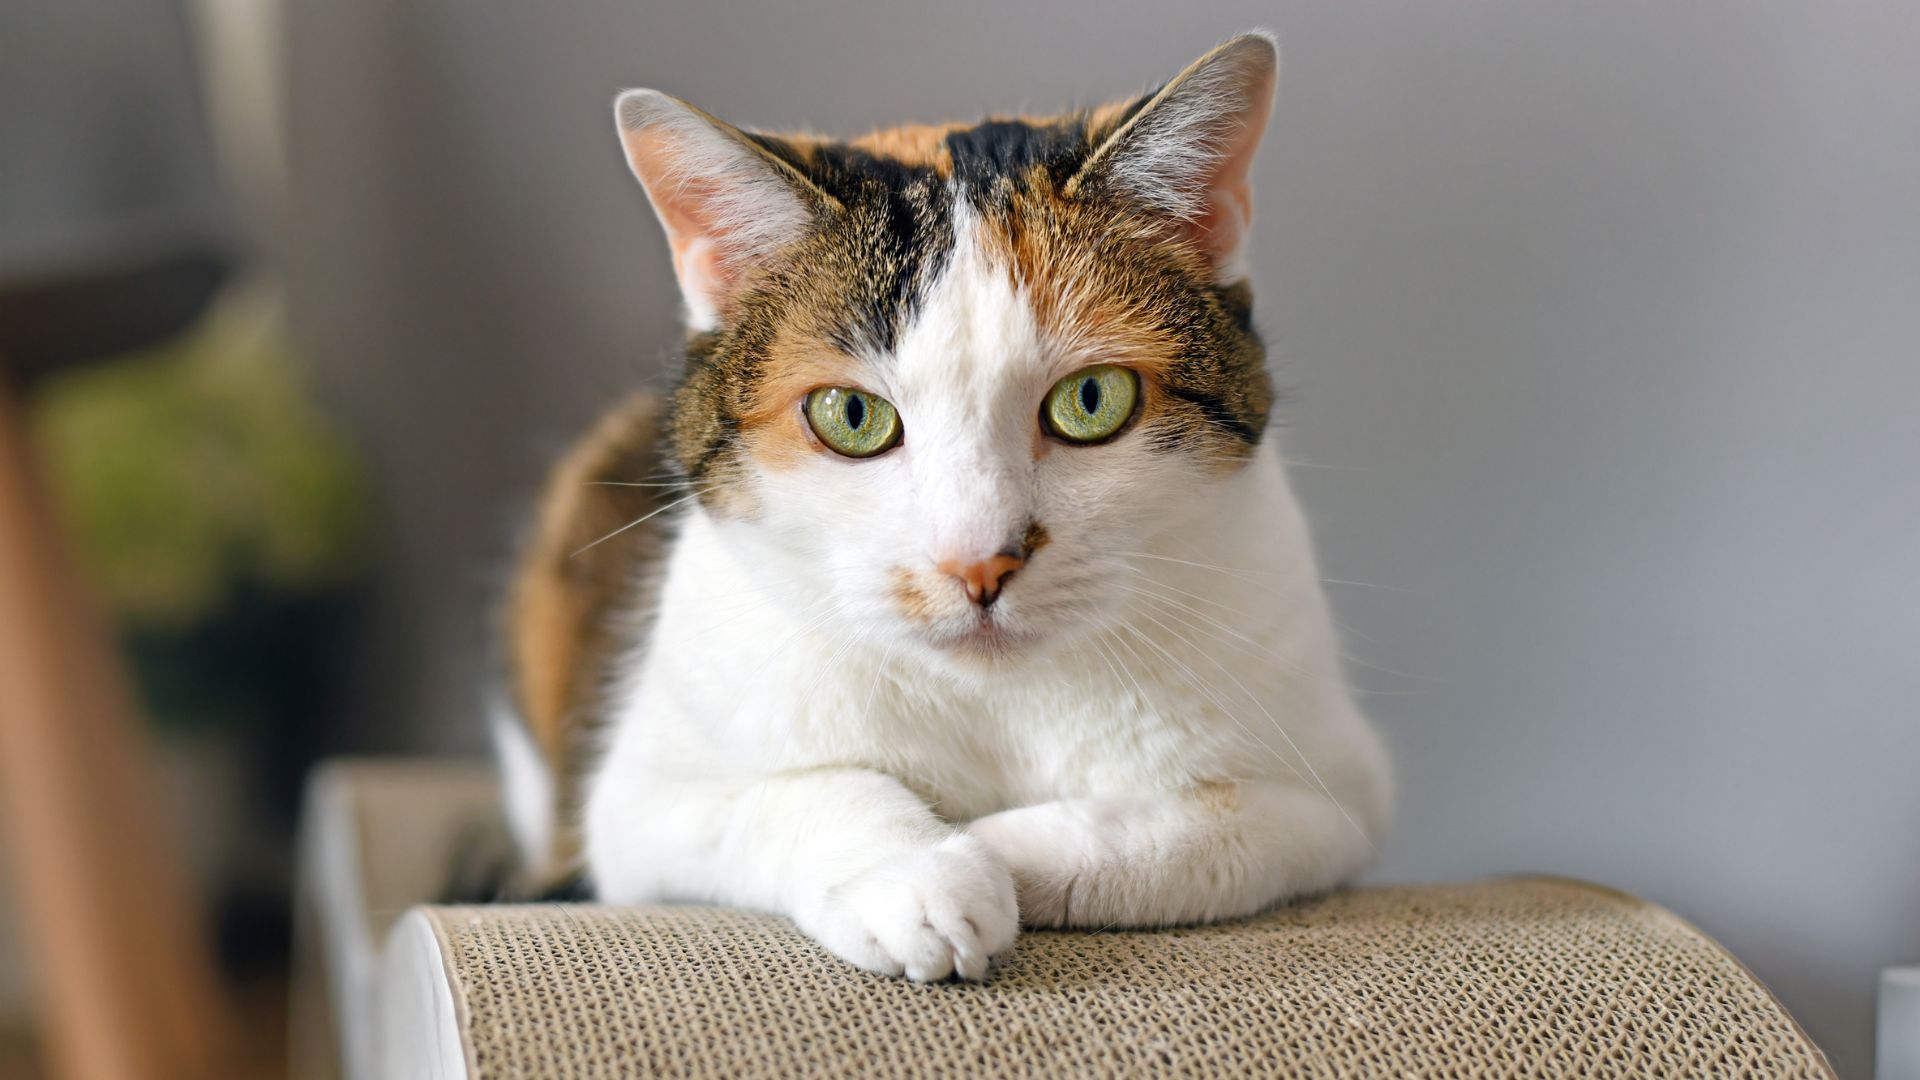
(726, 203)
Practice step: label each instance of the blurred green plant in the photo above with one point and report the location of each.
(223, 520)
(200, 469)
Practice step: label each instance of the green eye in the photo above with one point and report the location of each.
(853, 422)
(1091, 405)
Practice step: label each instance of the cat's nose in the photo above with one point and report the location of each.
(983, 577)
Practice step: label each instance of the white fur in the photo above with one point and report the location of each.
(1160, 733)
(526, 787)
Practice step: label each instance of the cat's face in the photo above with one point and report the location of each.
(949, 382)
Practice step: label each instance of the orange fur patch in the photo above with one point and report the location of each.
(1076, 295)
(910, 598)
(1220, 798)
(1104, 120)
(913, 144)
(1076, 299)
(564, 604)
(1113, 288)
(773, 428)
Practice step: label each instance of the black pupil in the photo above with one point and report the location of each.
(856, 411)
(1090, 395)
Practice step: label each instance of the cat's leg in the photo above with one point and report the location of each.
(859, 862)
(1209, 852)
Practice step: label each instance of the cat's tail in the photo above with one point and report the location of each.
(573, 608)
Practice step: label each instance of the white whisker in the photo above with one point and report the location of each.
(1137, 688)
(1277, 726)
(866, 713)
(1228, 630)
(1156, 582)
(1362, 584)
(1228, 570)
(1207, 691)
(641, 520)
(1251, 575)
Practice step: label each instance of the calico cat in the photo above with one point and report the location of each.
(959, 585)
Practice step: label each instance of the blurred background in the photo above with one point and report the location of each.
(1602, 321)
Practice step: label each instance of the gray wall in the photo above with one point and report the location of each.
(1602, 319)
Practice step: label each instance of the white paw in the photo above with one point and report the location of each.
(942, 911)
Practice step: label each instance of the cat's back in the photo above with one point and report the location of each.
(582, 580)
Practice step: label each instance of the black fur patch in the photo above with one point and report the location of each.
(858, 278)
(897, 230)
(999, 151)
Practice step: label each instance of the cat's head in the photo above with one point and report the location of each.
(950, 379)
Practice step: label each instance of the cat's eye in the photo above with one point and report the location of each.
(1090, 405)
(853, 422)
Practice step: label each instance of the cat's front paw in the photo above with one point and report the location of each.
(946, 910)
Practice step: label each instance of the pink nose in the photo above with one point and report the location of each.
(983, 577)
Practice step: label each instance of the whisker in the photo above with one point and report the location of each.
(642, 519)
(748, 588)
(1151, 580)
(1363, 584)
(1256, 652)
(866, 713)
(1223, 641)
(1277, 726)
(1228, 570)
(1230, 631)
(847, 643)
(1346, 631)
(829, 605)
(739, 611)
(637, 484)
(1093, 647)
(1253, 575)
(1202, 686)
(1120, 642)
(1137, 688)
(670, 474)
(1296, 463)
(1384, 670)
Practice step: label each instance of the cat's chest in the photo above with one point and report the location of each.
(750, 691)
(1071, 734)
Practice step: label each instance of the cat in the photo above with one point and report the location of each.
(959, 585)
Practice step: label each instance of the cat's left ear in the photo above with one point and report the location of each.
(726, 202)
(1187, 152)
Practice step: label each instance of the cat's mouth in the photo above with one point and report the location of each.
(982, 638)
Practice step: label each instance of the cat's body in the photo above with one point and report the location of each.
(988, 602)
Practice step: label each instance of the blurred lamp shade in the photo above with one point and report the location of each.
(113, 225)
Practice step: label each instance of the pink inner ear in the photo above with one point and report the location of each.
(1222, 227)
(697, 263)
(686, 208)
